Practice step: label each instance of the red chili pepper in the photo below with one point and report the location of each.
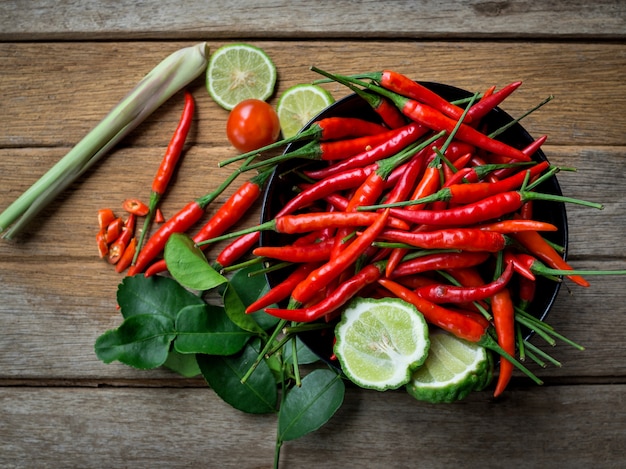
(136, 207)
(320, 277)
(283, 290)
(461, 325)
(114, 230)
(504, 323)
(399, 139)
(117, 248)
(526, 291)
(442, 293)
(158, 216)
(439, 261)
(467, 239)
(483, 106)
(403, 85)
(166, 168)
(333, 301)
(127, 256)
(538, 246)
(389, 113)
(237, 248)
(105, 216)
(315, 252)
(513, 226)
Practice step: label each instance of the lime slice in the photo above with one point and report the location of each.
(239, 71)
(453, 369)
(299, 104)
(380, 342)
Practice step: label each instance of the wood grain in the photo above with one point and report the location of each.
(402, 19)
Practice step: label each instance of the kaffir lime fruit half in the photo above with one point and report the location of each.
(379, 342)
(299, 104)
(453, 369)
(239, 71)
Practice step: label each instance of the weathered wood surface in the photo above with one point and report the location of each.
(61, 407)
(404, 19)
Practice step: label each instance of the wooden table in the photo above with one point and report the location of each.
(63, 66)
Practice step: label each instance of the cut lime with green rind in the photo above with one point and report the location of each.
(379, 342)
(299, 104)
(454, 368)
(236, 72)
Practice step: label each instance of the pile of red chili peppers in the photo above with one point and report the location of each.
(421, 205)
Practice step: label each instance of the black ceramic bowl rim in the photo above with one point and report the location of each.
(352, 105)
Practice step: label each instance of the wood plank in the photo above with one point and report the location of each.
(89, 20)
(71, 86)
(578, 426)
(50, 319)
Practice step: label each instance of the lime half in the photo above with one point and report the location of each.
(380, 342)
(453, 369)
(299, 104)
(239, 71)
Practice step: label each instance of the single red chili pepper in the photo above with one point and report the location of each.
(460, 325)
(166, 168)
(117, 248)
(327, 129)
(331, 150)
(485, 105)
(333, 301)
(526, 291)
(489, 208)
(283, 290)
(442, 293)
(538, 246)
(315, 252)
(320, 277)
(136, 207)
(105, 216)
(114, 230)
(127, 256)
(403, 85)
(504, 323)
(237, 248)
(184, 219)
(438, 261)
(398, 140)
(467, 239)
(513, 226)
(435, 120)
(158, 216)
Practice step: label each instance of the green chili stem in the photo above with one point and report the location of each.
(536, 350)
(515, 121)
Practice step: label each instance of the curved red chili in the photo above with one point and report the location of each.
(442, 293)
(467, 239)
(237, 248)
(439, 261)
(485, 105)
(315, 252)
(504, 323)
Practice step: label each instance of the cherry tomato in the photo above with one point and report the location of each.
(252, 124)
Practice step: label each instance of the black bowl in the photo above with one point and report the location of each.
(279, 191)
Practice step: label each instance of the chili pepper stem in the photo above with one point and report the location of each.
(155, 197)
(268, 345)
(488, 342)
(499, 130)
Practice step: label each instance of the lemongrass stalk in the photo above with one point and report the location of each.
(168, 77)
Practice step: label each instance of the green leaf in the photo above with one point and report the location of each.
(257, 395)
(236, 310)
(142, 341)
(308, 407)
(207, 329)
(183, 364)
(305, 355)
(250, 288)
(187, 264)
(153, 295)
